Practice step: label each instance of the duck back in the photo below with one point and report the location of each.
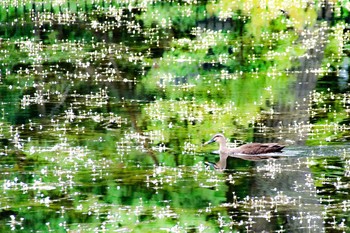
(259, 148)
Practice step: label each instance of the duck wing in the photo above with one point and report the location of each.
(259, 148)
(256, 157)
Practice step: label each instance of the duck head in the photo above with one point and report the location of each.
(219, 138)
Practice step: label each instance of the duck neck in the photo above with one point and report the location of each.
(223, 146)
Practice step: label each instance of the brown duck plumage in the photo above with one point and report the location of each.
(251, 151)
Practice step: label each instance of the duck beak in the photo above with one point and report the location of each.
(208, 142)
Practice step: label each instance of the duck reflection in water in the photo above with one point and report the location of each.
(250, 151)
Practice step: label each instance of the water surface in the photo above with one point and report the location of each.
(105, 105)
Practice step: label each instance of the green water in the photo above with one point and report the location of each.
(105, 105)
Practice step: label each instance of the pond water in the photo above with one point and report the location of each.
(105, 105)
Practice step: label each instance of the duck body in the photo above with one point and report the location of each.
(247, 149)
(256, 148)
(250, 151)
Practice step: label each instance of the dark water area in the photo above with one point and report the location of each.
(105, 106)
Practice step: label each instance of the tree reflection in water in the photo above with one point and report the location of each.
(104, 106)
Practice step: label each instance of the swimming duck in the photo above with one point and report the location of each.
(250, 151)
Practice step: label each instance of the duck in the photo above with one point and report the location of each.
(250, 151)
